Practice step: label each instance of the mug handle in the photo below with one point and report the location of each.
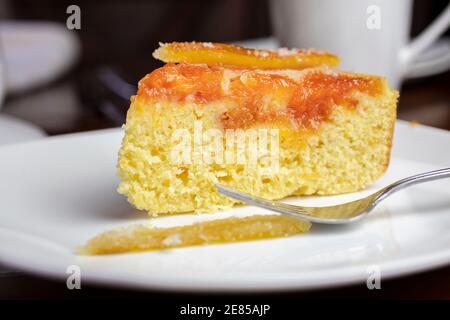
(427, 66)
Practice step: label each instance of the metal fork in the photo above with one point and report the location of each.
(337, 214)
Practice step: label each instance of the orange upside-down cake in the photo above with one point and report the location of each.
(272, 123)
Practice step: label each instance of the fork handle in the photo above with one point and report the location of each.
(409, 181)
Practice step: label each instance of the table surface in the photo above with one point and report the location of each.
(426, 101)
(428, 285)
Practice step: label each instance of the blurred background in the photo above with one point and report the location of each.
(57, 80)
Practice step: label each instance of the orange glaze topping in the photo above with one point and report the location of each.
(255, 96)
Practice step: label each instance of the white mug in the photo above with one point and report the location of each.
(370, 36)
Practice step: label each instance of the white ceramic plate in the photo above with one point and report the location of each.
(58, 192)
(14, 130)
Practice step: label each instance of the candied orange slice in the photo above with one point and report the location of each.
(225, 54)
(142, 237)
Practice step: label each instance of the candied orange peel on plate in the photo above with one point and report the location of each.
(142, 237)
(230, 55)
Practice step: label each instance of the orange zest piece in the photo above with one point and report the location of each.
(142, 237)
(230, 55)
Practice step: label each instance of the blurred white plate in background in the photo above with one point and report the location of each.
(59, 192)
(34, 52)
(14, 130)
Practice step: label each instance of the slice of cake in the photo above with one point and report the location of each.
(269, 123)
